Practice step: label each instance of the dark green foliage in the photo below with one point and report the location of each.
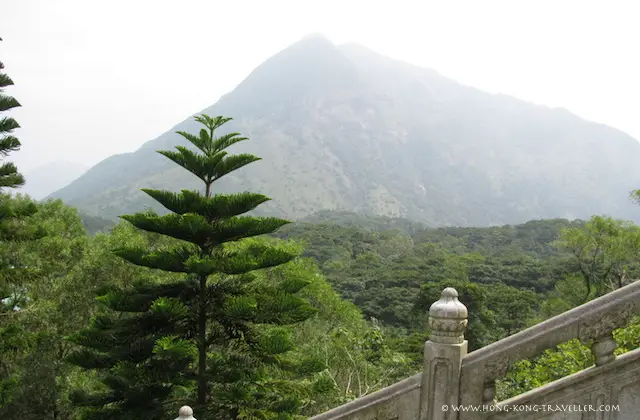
(606, 253)
(364, 221)
(14, 228)
(14, 275)
(9, 175)
(495, 311)
(509, 277)
(213, 336)
(95, 224)
(383, 271)
(48, 306)
(146, 316)
(515, 309)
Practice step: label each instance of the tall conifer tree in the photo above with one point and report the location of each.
(220, 329)
(9, 175)
(13, 227)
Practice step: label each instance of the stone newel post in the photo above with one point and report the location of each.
(443, 354)
(185, 413)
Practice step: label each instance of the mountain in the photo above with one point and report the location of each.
(50, 177)
(343, 128)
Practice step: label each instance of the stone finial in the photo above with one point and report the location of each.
(185, 413)
(448, 318)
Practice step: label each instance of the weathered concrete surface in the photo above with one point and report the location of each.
(592, 323)
(590, 394)
(400, 401)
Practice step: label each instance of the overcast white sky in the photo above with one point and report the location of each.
(97, 78)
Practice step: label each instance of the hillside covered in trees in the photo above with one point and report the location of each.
(344, 128)
(247, 316)
(371, 281)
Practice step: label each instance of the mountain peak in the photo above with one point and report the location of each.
(312, 64)
(315, 38)
(346, 128)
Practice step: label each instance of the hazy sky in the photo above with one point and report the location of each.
(97, 78)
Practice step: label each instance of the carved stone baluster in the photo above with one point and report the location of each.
(489, 393)
(598, 332)
(493, 370)
(603, 348)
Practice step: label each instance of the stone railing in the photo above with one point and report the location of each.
(592, 323)
(452, 378)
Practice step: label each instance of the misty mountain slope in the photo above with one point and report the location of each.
(49, 178)
(343, 128)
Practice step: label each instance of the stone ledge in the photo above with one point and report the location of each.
(379, 397)
(610, 311)
(575, 380)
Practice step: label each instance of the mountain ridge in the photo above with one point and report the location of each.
(344, 128)
(50, 177)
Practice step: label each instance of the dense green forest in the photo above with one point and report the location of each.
(371, 281)
(248, 317)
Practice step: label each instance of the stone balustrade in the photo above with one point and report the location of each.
(451, 377)
(592, 323)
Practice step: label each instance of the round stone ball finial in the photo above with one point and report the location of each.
(448, 318)
(185, 413)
